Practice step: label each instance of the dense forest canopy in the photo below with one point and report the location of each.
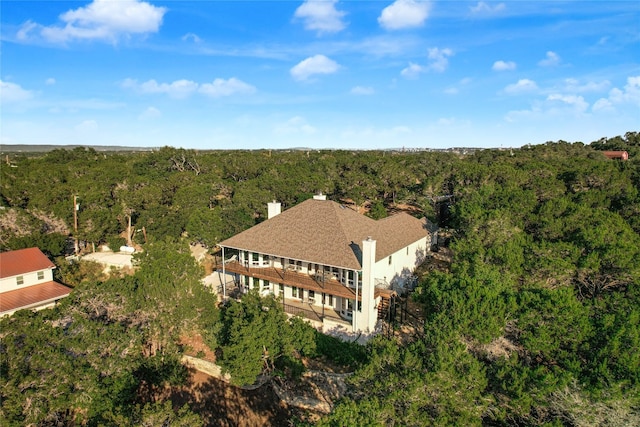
(536, 322)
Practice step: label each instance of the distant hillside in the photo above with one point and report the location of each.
(26, 148)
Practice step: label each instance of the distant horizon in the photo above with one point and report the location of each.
(327, 74)
(50, 147)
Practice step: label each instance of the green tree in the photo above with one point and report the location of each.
(256, 334)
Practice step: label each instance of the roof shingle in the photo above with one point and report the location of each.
(325, 232)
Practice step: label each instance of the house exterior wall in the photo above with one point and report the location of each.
(28, 279)
(397, 268)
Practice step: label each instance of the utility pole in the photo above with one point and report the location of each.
(75, 223)
(129, 242)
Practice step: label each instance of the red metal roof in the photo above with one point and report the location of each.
(32, 296)
(23, 261)
(616, 154)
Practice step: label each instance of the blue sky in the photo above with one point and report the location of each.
(322, 74)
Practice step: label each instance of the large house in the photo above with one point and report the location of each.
(26, 281)
(328, 260)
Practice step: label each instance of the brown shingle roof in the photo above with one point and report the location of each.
(23, 261)
(325, 232)
(32, 296)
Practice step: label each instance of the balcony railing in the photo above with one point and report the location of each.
(319, 283)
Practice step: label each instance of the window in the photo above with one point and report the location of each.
(328, 300)
(256, 283)
(246, 283)
(281, 290)
(294, 292)
(389, 259)
(266, 286)
(255, 257)
(407, 250)
(312, 296)
(40, 275)
(20, 280)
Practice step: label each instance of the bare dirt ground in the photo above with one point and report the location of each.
(221, 404)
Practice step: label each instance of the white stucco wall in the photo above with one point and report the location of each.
(402, 263)
(30, 279)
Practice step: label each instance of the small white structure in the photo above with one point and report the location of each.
(108, 259)
(26, 281)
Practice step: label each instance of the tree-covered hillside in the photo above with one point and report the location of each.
(536, 322)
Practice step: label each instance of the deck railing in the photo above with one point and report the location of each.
(294, 311)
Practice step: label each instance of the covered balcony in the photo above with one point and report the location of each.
(319, 283)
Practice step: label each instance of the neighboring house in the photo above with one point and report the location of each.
(321, 257)
(26, 281)
(621, 155)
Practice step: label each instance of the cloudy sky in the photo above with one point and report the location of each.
(322, 74)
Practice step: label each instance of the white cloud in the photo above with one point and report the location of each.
(404, 14)
(412, 71)
(87, 126)
(522, 86)
(14, 93)
(295, 124)
(439, 59)
(222, 87)
(362, 90)
(571, 103)
(504, 66)
(25, 30)
(551, 60)
(150, 113)
(563, 106)
(183, 88)
(483, 8)
(603, 105)
(448, 121)
(100, 20)
(318, 64)
(191, 36)
(438, 62)
(574, 86)
(177, 89)
(629, 94)
(50, 81)
(554, 106)
(321, 16)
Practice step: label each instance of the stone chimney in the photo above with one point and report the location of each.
(273, 208)
(320, 196)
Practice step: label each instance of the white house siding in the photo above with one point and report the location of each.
(403, 262)
(29, 279)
